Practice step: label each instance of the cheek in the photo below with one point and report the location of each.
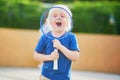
(65, 23)
(52, 22)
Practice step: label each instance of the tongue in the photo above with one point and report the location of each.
(58, 24)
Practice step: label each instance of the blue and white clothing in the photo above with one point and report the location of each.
(45, 46)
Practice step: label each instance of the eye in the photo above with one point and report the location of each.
(54, 15)
(63, 16)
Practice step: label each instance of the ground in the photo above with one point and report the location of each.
(15, 73)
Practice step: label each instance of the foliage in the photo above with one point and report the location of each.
(94, 17)
(20, 15)
(88, 17)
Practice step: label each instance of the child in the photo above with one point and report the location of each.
(68, 50)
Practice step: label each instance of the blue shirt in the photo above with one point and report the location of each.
(45, 46)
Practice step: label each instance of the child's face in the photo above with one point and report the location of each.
(59, 19)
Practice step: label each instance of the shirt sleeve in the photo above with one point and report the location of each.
(41, 45)
(74, 44)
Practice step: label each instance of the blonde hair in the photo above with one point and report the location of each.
(62, 7)
(69, 13)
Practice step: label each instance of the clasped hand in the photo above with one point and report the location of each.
(55, 55)
(57, 44)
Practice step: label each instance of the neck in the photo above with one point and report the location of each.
(58, 33)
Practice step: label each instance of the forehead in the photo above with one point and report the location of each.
(58, 10)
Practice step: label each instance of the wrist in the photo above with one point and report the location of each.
(61, 47)
(49, 57)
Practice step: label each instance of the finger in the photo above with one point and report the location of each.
(55, 53)
(55, 40)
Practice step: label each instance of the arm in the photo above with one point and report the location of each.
(72, 55)
(42, 57)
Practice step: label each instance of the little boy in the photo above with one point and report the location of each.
(68, 50)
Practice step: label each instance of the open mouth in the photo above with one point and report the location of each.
(58, 24)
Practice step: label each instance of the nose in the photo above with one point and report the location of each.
(59, 17)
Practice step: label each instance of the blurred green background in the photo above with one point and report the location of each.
(89, 16)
